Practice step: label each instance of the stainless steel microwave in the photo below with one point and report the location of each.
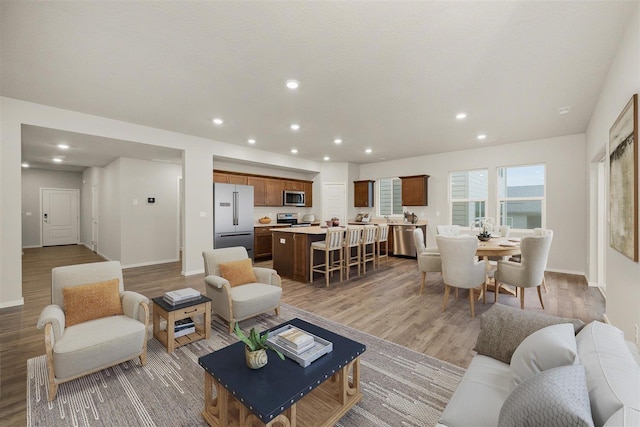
(292, 198)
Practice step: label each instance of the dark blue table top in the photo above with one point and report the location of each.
(270, 390)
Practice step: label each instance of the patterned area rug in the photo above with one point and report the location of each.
(401, 387)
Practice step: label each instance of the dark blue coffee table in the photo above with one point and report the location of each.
(283, 391)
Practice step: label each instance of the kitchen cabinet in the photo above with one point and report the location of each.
(414, 190)
(293, 185)
(363, 194)
(273, 193)
(308, 194)
(259, 190)
(263, 241)
(291, 253)
(227, 178)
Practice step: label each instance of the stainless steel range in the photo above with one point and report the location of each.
(291, 219)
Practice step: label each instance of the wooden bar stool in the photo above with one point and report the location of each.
(369, 240)
(333, 242)
(351, 241)
(382, 237)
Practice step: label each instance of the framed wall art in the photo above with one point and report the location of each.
(623, 181)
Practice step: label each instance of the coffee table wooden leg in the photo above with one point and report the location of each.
(215, 411)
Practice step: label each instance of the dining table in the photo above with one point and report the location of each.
(500, 247)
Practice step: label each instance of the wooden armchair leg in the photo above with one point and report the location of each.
(496, 291)
(53, 386)
(424, 277)
(471, 302)
(522, 298)
(540, 296)
(544, 283)
(230, 327)
(278, 311)
(446, 297)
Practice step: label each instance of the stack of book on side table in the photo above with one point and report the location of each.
(184, 327)
(181, 296)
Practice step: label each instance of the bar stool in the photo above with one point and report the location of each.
(333, 242)
(352, 240)
(369, 238)
(382, 237)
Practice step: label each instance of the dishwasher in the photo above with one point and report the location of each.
(403, 243)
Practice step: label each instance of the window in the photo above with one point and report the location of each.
(390, 196)
(521, 196)
(468, 190)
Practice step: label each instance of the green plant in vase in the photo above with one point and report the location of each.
(255, 347)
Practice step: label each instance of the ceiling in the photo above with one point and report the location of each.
(389, 76)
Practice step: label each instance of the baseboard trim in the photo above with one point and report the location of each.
(104, 256)
(144, 264)
(192, 272)
(13, 303)
(559, 270)
(31, 246)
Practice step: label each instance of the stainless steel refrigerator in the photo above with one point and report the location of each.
(233, 216)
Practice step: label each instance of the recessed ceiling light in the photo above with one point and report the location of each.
(293, 84)
(25, 165)
(326, 158)
(294, 150)
(368, 151)
(63, 146)
(295, 126)
(564, 110)
(218, 121)
(57, 160)
(337, 141)
(482, 137)
(251, 141)
(461, 116)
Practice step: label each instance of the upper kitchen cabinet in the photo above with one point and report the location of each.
(414, 190)
(308, 194)
(259, 190)
(363, 194)
(273, 194)
(292, 185)
(227, 178)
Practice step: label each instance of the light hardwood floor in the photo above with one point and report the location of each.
(385, 303)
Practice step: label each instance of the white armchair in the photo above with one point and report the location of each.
(244, 301)
(92, 345)
(530, 271)
(448, 230)
(428, 258)
(459, 267)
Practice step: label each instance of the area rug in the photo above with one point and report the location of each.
(401, 387)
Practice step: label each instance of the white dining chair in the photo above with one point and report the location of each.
(428, 258)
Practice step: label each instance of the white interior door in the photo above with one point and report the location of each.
(60, 216)
(334, 202)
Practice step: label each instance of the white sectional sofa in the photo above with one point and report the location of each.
(533, 370)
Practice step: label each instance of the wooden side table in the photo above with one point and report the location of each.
(173, 313)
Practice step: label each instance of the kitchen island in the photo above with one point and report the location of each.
(291, 247)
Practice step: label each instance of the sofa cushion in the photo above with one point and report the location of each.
(238, 272)
(502, 329)
(91, 301)
(555, 397)
(254, 298)
(613, 375)
(544, 349)
(480, 394)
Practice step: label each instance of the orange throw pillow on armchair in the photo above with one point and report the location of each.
(92, 301)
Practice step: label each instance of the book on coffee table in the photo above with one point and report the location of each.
(304, 356)
(295, 339)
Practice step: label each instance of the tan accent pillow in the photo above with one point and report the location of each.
(238, 272)
(92, 301)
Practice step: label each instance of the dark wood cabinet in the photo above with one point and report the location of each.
(227, 178)
(273, 196)
(414, 190)
(263, 241)
(363, 194)
(259, 190)
(308, 194)
(293, 185)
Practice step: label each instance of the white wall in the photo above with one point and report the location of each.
(32, 181)
(90, 176)
(109, 202)
(622, 274)
(149, 231)
(564, 158)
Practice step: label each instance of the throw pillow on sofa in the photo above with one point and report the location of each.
(555, 397)
(547, 348)
(503, 328)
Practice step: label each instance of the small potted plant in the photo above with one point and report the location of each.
(255, 347)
